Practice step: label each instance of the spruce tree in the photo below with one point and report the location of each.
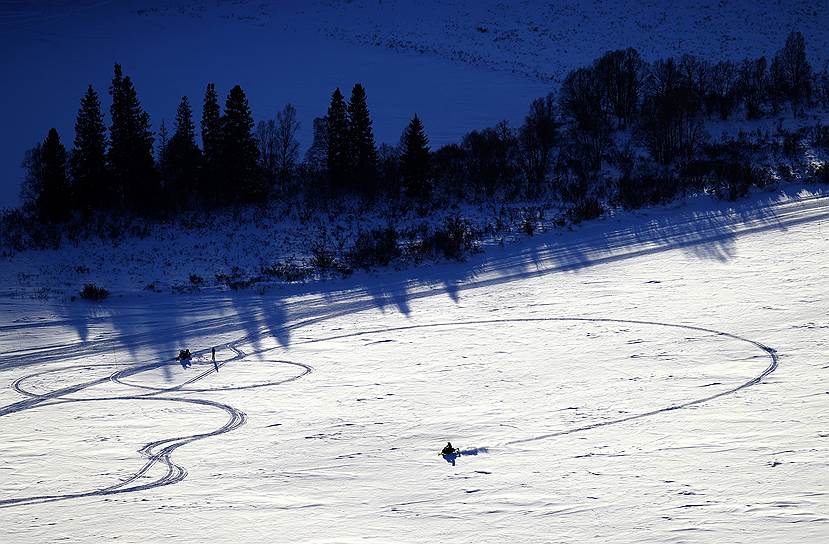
(339, 170)
(53, 202)
(162, 156)
(131, 149)
(362, 148)
(211, 135)
(88, 162)
(163, 142)
(414, 162)
(183, 157)
(240, 151)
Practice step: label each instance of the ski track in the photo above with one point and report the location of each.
(631, 244)
(161, 451)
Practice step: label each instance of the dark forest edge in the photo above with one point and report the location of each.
(619, 133)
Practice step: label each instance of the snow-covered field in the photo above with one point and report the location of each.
(652, 377)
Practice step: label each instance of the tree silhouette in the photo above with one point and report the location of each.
(183, 157)
(88, 162)
(131, 148)
(362, 148)
(211, 135)
(414, 161)
(239, 154)
(338, 159)
(792, 73)
(51, 191)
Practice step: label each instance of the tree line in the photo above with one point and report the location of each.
(643, 121)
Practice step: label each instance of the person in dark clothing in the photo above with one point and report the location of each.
(213, 352)
(184, 356)
(448, 449)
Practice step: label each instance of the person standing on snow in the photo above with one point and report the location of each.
(213, 351)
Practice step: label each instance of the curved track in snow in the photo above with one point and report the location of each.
(159, 452)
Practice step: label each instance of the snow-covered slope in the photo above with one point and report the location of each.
(459, 65)
(568, 370)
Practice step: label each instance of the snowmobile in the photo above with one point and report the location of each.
(184, 357)
(448, 449)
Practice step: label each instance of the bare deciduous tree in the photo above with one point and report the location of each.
(536, 139)
(287, 145)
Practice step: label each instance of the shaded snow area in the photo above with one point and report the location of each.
(656, 377)
(459, 65)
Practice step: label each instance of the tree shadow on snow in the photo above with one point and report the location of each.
(151, 328)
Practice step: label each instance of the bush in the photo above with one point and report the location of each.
(733, 179)
(377, 247)
(196, 280)
(584, 210)
(242, 283)
(322, 258)
(453, 240)
(785, 171)
(528, 226)
(820, 137)
(93, 293)
(792, 143)
(644, 186)
(821, 173)
(287, 271)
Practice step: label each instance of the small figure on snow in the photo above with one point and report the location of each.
(448, 449)
(184, 356)
(450, 453)
(213, 354)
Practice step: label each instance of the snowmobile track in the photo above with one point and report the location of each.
(160, 451)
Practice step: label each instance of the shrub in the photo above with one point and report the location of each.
(733, 179)
(644, 186)
(454, 239)
(377, 247)
(821, 173)
(820, 137)
(93, 293)
(287, 271)
(792, 144)
(785, 171)
(528, 226)
(241, 283)
(196, 280)
(585, 209)
(322, 258)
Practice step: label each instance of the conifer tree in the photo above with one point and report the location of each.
(240, 151)
(162, 157)
(211, 135)
(339, 170)
(414, 161)
(211, 123)
(131, 149)
(88, 162)
(163, 142)
(362, 148)
(183, 156)
(53, 202)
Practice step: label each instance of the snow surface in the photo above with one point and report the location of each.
(459, 65)
(568, 368)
